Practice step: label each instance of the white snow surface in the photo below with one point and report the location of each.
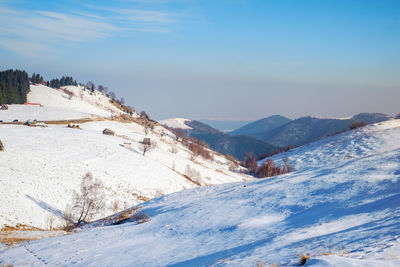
(41, 167)
(56, 105)
(343, 200)
(178, 123)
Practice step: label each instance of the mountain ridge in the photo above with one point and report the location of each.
(236, 146)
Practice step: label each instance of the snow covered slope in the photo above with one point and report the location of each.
(178, 123)
(42, 166)
(56, 105)
(346, 207)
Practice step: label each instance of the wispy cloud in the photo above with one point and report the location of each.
(146, 16)
(34, 32)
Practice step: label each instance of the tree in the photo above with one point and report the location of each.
(100, 88)
(144, 115)
(122, 101)
(250, 163)
(36, 78)
(55, 83)
(14, 86)
(146, 145)
(268, 169)
(90, 86)
(287, 166)
(90, 200)
(398, 116)
(112, 95)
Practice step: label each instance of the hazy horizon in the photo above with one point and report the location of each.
(219, 60)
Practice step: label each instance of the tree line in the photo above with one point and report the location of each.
(14, 86)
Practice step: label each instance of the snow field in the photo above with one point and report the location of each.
(347, 209)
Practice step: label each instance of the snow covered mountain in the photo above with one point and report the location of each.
(340, 208)
(41, 167)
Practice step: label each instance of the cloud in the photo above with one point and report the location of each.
(147, 16)
(34, 32)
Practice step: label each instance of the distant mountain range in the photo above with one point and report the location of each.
(237, 146)
(225, 125)
(303, 130)
(265, 135)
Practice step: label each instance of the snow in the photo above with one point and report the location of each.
(343, 202)
(55, 158)
(56, 105)
(178, 123)
(41, 167)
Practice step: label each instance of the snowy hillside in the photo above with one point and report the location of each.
(41, 167)
(340, 210)
(178, 123)
(56, 105)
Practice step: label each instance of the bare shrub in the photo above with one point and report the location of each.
(303, 259)
(174, 149)
(69, 93)
(140, 216)
(1, 146)
(356, 124)
(398, 116)
(193, 173)
(231, 158)
(107, 131)
(173, 166)
(159, 193)
(50, 221)
(198, 148)
(115, 206)
(89, 201)
(68, 216)
(232, 167)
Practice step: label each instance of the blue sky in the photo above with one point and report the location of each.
(237, 59)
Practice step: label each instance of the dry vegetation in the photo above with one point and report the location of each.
(12, 235)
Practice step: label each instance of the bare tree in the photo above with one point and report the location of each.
(112, 95)
(100, 88)
(144, 115)
(122, 101)
(90, 86)
(250, 163)
(287, 166)
(146, 145)
(90, 200)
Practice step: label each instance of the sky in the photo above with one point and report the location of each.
(216, 59)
